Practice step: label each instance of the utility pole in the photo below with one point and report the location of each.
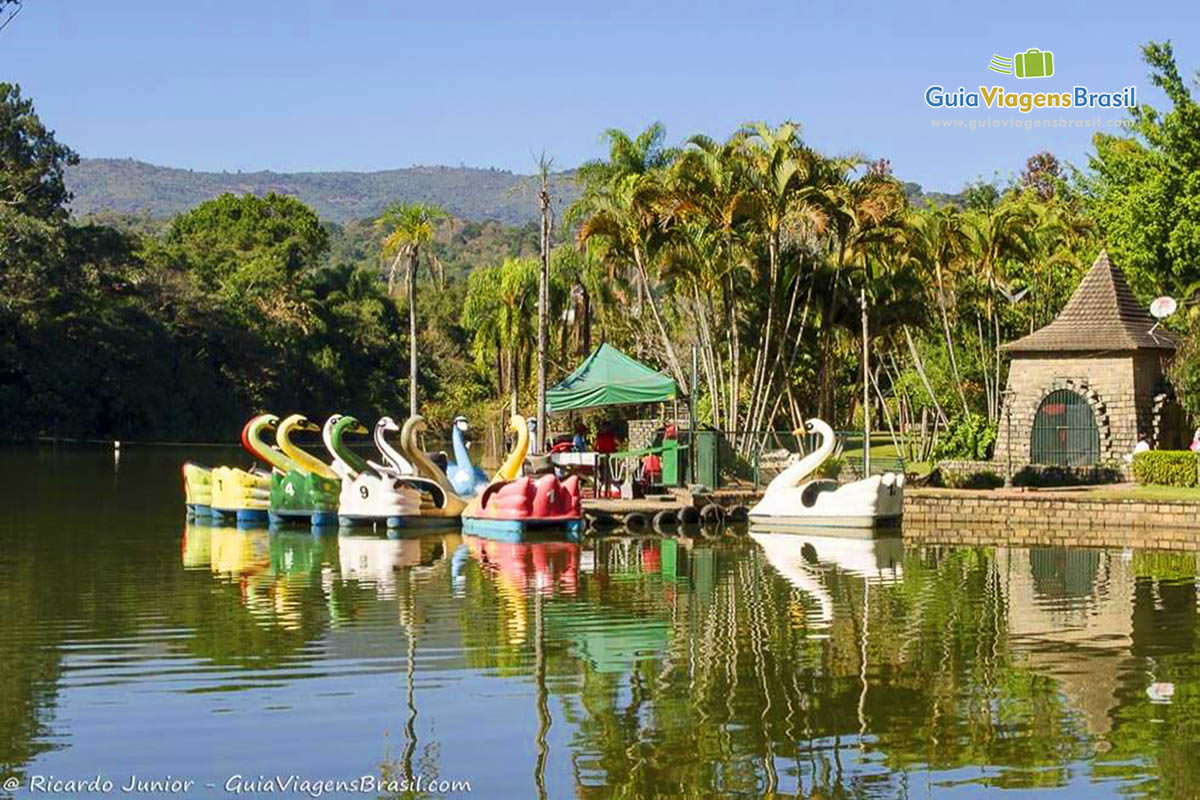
(544, 165)
(866, 377)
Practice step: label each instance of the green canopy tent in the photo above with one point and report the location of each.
(608, 377)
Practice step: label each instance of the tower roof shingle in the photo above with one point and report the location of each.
(1102, 314)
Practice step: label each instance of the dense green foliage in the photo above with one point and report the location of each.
(1166, 467)
(110, 333)
(971, 437)
(1146, 187)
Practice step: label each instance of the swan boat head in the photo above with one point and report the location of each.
(391, 456)
(337, 427)
(252, 440)
(303, 459)
(453, 503)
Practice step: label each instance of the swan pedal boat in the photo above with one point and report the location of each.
(371, 493)
(467, 479)
(793, 500)
(197, 489)
(513, 505)
(308, 490)
(244, 494)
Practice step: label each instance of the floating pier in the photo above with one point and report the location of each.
(675, 507)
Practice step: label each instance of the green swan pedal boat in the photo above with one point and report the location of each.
(308, 490)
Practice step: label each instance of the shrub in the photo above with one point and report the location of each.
(972, 437)
(1047, 476)
(1165, 467)
(977, 479)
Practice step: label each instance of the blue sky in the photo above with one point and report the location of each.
(375, 85)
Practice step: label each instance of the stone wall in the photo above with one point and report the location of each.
(943, 516)
(641, 431)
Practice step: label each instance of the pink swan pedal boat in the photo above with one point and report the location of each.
(513, 505)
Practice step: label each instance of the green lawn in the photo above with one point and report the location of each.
(1143, 493)
(883, 452)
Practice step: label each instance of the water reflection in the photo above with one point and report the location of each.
(697, 665)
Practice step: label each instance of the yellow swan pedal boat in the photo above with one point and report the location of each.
(244, 495)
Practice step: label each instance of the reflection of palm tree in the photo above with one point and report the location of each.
(543, 705)
(408, 620)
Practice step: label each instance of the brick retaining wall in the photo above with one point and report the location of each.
(942, 516)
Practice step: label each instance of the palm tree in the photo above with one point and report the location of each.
(784, 179)
(544, 165)
(864, 213)
(408, 226)
(624, 216)
(998, 234)
(707, 186)
(938, 241)
(497, 308)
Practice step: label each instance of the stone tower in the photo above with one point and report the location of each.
(1083, 387)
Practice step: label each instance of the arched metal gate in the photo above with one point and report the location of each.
(1064, 431)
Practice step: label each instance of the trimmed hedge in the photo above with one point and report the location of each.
(990, 474)
(1166, 468)
(981, 479)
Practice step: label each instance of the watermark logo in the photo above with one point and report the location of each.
(1033, 63)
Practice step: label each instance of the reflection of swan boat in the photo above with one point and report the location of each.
(240, 554)
(803, 558)
(245, 494)
(308, 490)
(370, 492)
(546, 566)
(375, 559)
(197, 546)
(513, 504)
(792, 499)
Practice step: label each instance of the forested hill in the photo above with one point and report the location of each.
(135, 187)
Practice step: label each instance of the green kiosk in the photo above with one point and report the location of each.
(608, 377)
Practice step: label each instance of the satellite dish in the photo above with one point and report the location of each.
(1163, 307)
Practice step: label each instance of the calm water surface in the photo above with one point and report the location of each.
(133, 643)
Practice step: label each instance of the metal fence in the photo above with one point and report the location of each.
(753, 458)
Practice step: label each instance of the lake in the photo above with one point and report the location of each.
(135, 646)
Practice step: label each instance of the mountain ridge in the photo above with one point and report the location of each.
(128, 186)
(141, 189)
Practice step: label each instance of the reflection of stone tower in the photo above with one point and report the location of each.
(1086, 384)
(1070, 616)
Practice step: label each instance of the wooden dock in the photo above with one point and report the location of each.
(676, 507)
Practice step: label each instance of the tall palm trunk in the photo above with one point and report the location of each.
(412, 332)
(543, 316)
(543, 307)
(513, 387)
